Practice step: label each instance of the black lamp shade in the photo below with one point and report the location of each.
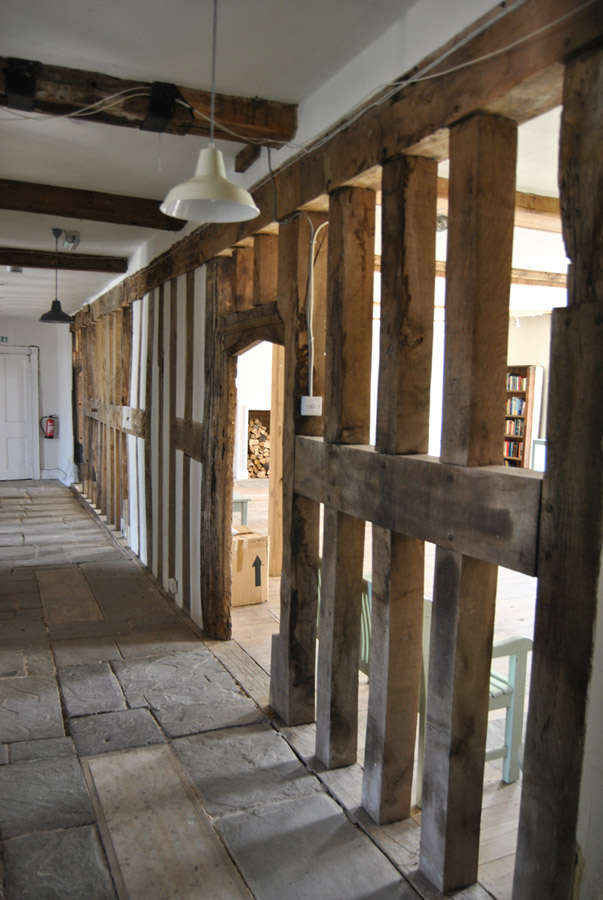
(55, 314)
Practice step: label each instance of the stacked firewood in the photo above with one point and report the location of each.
(258, 456)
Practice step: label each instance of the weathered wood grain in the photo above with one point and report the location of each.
(407, 298)
(218, 443)
(293, 659)
(482, 191)
(347, 410)
(571, 535)
(265, 266)
(275, 484)
(491, 511)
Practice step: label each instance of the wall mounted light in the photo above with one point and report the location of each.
(55, 314)
(209, 196)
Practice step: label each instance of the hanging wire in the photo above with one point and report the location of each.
(212, 107)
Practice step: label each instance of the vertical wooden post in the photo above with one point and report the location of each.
(148, 405)
(244, 279)
(571, 532)
(160, 426)
(218, 441)
(116, 379)
(292, 682)
(265, 264)
(186, 462)
(275, 482)
(347, 408)
(406, 338)
(481, 209)
(171, 511)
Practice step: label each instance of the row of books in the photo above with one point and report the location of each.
(514, 426)
(515, 406)
(514, 449)
(517, 383)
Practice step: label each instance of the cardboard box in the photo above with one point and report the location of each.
(249, 567)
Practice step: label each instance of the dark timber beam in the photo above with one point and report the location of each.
(95, 206)
(60, 91)
(80, 262)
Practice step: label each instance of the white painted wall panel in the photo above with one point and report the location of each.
(181, 325)
(142, 500)
(178, 527)
(195, 539)
(135, 372)
(132, 536)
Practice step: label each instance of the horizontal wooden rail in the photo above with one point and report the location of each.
(490, 512)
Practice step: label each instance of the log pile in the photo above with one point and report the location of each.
(258, 454)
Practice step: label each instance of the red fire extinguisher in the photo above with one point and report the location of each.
(48, 424)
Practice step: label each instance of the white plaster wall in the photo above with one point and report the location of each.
(55, 386)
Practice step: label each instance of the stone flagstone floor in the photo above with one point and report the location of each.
(132, 763)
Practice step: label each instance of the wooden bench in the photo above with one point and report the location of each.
(240, 504)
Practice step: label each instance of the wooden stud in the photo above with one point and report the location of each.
(275, 482)
(347, 406)
(217, 476)
(265, 264)
(244, 280)
(148, 404)
(186, 462)
(172, 374)
(482, 192)
(571, 534)
(407, 299)
(293, 660)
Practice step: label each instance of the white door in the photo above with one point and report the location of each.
(19, 443)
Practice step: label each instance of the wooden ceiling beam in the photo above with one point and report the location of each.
(72, 262)
(94, 206)
(61, 91)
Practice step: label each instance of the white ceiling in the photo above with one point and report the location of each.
(278, 49)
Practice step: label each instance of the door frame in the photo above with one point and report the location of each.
(34, 407)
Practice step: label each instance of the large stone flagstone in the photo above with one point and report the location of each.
(243, 768)
(307, 848)
(175, 679)
(43, 795)
(90, 689)
(30, 709)
(58, 865)
(115, 731)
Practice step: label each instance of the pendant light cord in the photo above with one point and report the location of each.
(213, 76)
(56, 265)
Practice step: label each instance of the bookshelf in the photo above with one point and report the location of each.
(522, 413)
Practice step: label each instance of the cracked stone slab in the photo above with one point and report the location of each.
(43, 795)
(231, 711)
(58, 865)
(30, 709)
(3, 758)
(85, 650)
(90, 689)
(243, 768)
(12, 664)
(308, 848)
(115, 731)
(44, 749)
(174, 680)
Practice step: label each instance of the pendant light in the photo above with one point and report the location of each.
(209, 196)
(55, 314)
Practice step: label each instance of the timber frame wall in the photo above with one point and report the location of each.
(156, 362)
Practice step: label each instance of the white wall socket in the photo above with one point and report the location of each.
(311, 406)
